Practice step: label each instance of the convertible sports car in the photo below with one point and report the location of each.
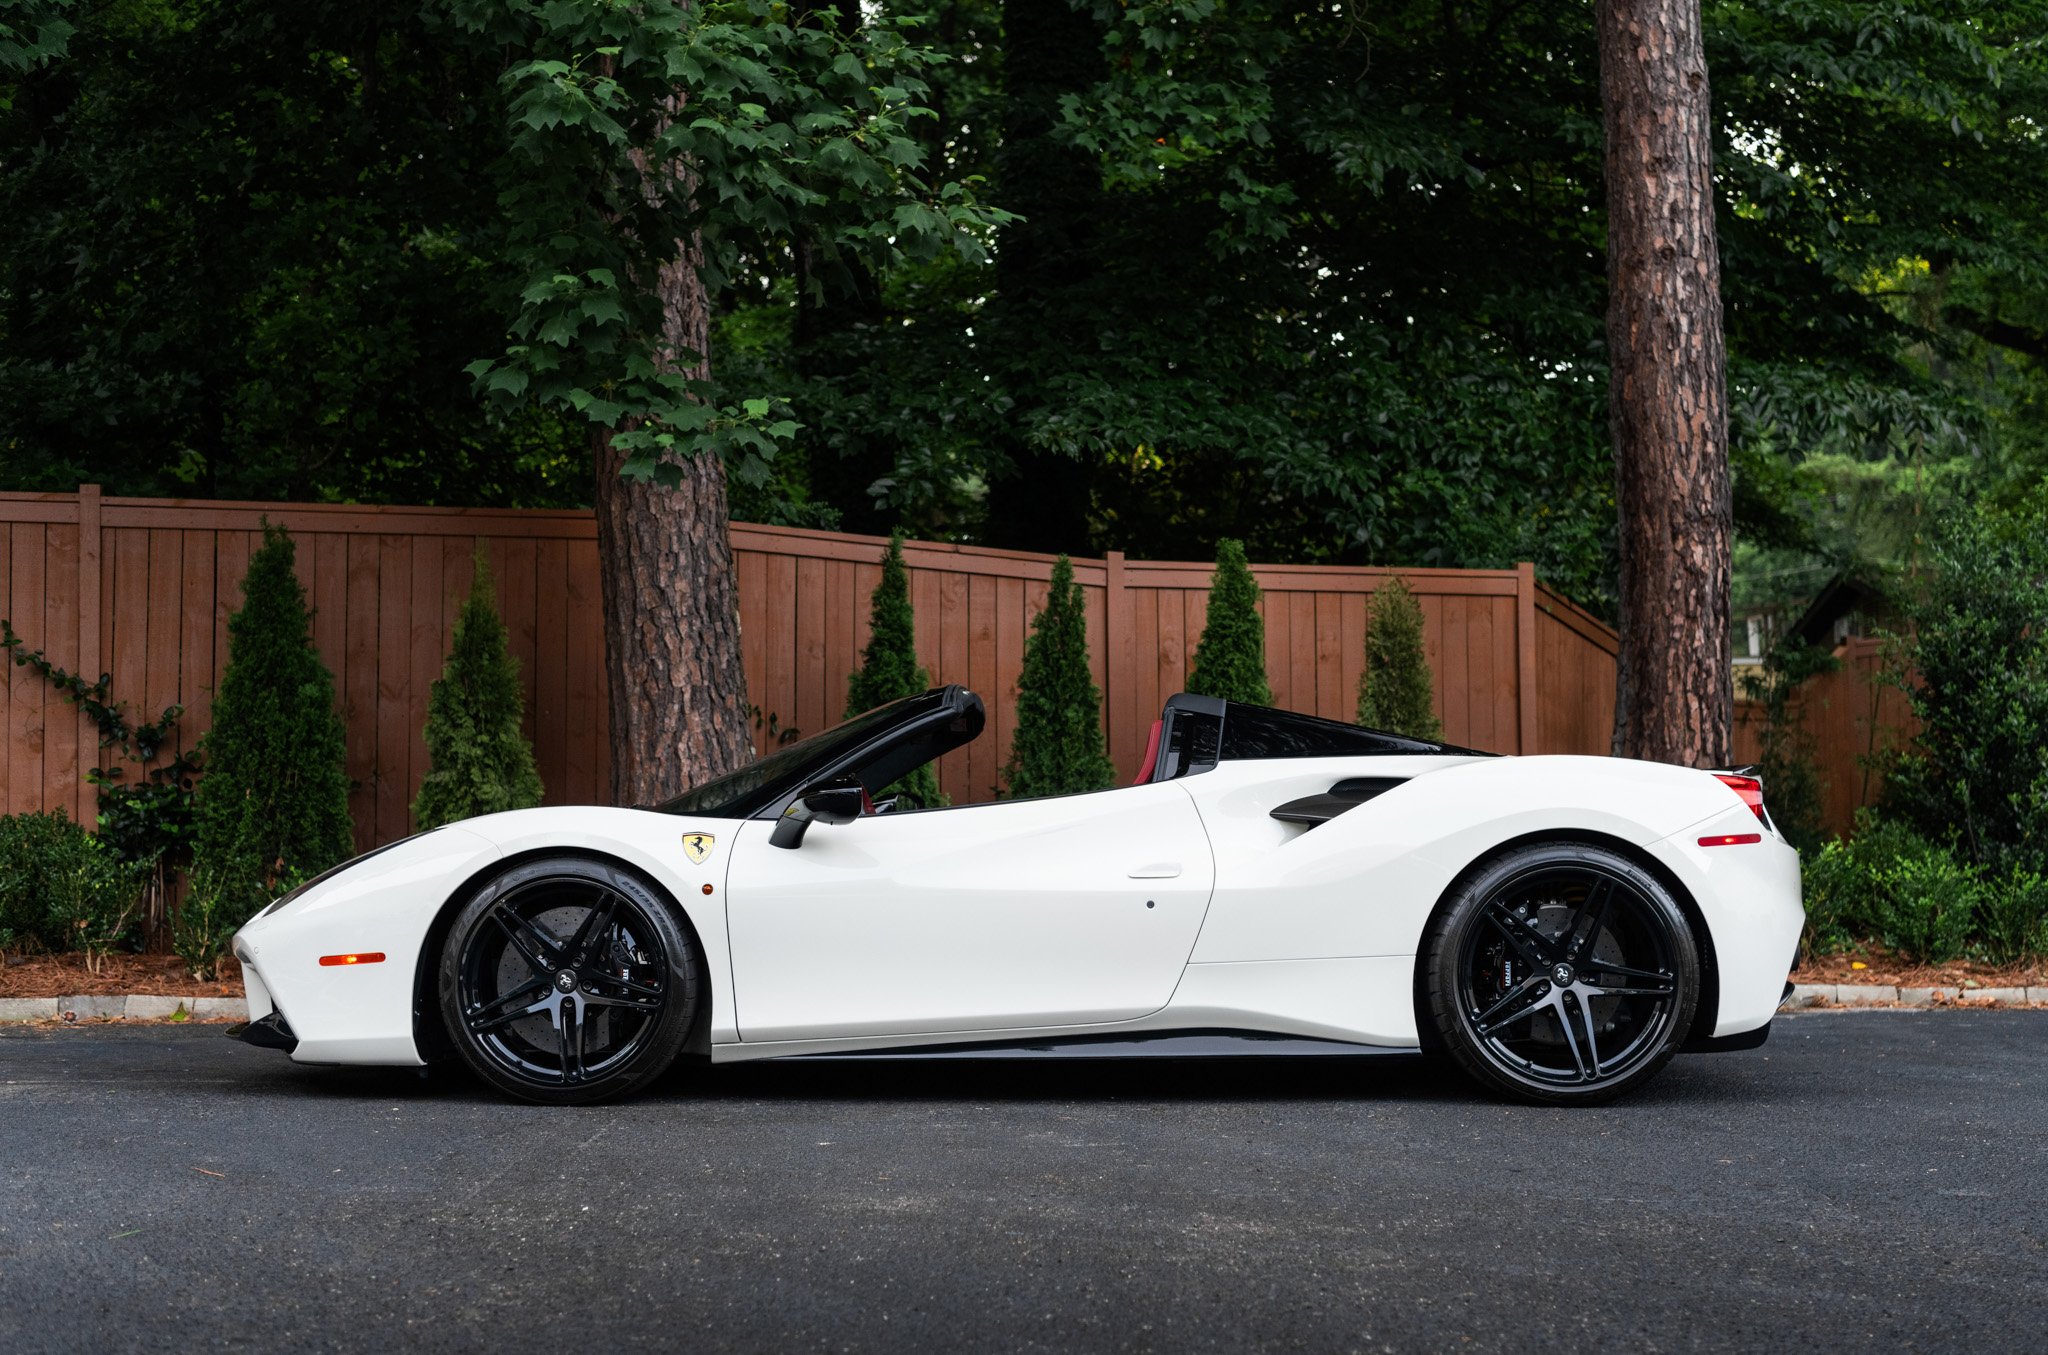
(1272, 882)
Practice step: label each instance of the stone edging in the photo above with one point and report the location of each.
(1892, 995)
(122, 1007)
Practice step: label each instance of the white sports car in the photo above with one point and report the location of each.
(1272, 883)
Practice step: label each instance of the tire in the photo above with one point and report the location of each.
(1561, 973)
(568, 980)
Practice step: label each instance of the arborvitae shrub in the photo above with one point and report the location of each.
(1057, 749)
(1394, 690)
(273, 804)
(482, 763)
(1230, 661)
(889, 670)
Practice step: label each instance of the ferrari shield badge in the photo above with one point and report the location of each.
(697, 846)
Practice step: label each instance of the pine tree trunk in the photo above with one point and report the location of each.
(1668, 400)
(671, 600)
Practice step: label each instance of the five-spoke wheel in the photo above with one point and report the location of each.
(567, 981)
(1562, 972)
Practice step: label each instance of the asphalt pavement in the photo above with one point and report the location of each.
(1870, 1180)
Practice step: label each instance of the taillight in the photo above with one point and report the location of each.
(1747, 788)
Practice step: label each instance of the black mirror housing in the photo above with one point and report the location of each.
(840, 801)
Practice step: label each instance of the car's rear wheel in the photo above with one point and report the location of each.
(568, 980)
(1563, 973)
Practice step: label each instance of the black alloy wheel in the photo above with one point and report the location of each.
(1562, 973)
(567, 981)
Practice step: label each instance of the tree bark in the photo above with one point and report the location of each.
(1668, 401)
(678, 691)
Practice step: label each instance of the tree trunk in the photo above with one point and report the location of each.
(1668, 401)
(671, 602)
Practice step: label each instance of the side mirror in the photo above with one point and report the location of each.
(833, 802)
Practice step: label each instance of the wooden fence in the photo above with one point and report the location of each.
(142, 589)
(1850, 714)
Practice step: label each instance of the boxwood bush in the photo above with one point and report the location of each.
(1921, 899)
(61, 888)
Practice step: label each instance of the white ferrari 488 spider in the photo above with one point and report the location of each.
(1559, 927)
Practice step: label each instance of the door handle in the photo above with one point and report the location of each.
(1158, 870)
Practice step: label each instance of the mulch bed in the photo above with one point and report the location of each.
(1873, 965)
(67, 976)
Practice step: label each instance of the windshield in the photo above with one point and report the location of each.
(739, 794)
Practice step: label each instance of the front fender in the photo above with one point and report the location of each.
(357, 1013)
(652, 844)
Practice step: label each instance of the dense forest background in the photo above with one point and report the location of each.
(1324, 277)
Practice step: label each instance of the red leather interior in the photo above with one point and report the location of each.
(1151, 754)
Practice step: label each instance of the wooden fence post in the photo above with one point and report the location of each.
(1525, 650)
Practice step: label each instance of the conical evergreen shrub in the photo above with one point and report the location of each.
(889, 670)
(482, 763)
(1057, 749)
(1230, 661)
(273, 804)
(1394, 690)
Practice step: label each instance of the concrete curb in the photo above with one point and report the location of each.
(1888, 995)
(122, 1007)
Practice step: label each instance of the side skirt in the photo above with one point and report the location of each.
(1167, 1044)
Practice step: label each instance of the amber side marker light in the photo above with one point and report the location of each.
(1718, 840)
(359, 957)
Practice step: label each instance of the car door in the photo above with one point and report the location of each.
(1069, 910)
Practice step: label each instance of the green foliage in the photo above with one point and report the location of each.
(1787, 762)
(2012, 919)
(1057, 749)
(1930, 906)
(889, 670)
(1336, 285)
(1230, 660)
(481, 761)
(32, 32)
(1921, 899)
(248, 251)
(1394, 691)
(1323, 281)
(793, 131)
(1974, 662)
(147, 824)
(61, 888)
(273, 805)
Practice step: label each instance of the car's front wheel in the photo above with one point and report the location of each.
(568, 980)
(1562, 973)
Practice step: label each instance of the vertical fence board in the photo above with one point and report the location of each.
(394, 731)
(63, 734)
(196, 635)
(810, 699)
(1012, 624)
(550, 670)
(586, 660)
(359, 702)
(14, 796)
(25, 723)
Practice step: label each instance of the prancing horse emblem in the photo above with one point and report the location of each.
(697, 846)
